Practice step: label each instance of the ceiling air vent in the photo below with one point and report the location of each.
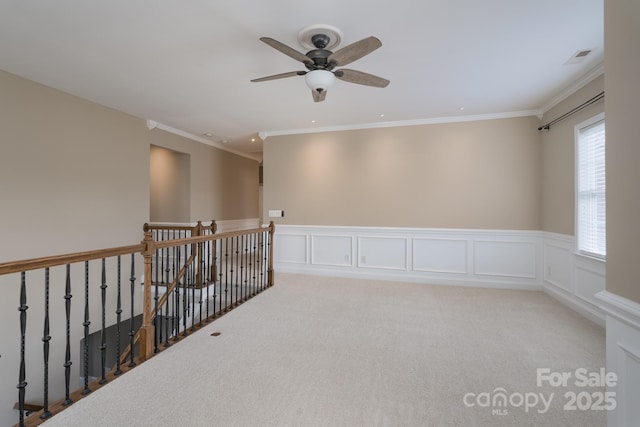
(579, 56)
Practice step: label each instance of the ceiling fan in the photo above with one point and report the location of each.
(321, 63)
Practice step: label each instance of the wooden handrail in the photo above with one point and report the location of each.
(200, 239)
(52, 261)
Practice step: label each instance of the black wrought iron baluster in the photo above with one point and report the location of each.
(185, 293)
(118, 371)
(237, 281)
(86, 324)
(157, 320)
(234, 280)
(207, 272)
(233, 273)
(252, 263)
(103, 335)
(156, 327)
(203, 279)
(255, 262)
(193, 291)
(45, 347)
(214, 274)
(132, 332)
(167, 281)
(246, 267)
(263, 259)
(67, 357)
(258, 261)
(22, 383)
(269, 260)
(176, 251)
(221, 274)
(226, 274)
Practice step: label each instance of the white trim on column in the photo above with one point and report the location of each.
(623, 356)
(621, 308)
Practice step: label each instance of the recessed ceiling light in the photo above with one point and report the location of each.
(313, 121)
(253, 140)
(224, 141)
(461, 108)
(381, 115)
(208, 134)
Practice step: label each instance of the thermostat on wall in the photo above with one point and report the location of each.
(276, 213)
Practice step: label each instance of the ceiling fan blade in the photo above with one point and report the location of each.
(280, 76)
(361, 78)
(289, 51)
(319, 96)
(355, 51)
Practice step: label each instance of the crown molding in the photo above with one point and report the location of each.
(436, 120)
(595, 72)
(151, 124)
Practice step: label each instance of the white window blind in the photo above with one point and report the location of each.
(591, 190)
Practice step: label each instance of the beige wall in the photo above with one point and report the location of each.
(482, 174)
(73, 175)
(558, 158)
(622, 62)
(223, 185)
(169, 185)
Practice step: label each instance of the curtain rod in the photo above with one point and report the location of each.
(596, 98)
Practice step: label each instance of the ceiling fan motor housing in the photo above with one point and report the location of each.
(320, 59)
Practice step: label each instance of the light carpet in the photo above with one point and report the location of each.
(318, 351)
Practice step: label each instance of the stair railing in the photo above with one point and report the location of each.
(185, 286)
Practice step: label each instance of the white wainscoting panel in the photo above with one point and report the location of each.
(383, 252)
(331, 250)
(571, 278)
(589, 280)
(483, 258)
(557, 265)
(290, 248)
(505, 258)
(623, 356)
(440, 255)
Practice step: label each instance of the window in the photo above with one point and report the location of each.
(591, 188)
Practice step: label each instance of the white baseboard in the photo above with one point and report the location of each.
(586, 310)
(407, 278)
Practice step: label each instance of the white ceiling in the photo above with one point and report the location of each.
(187, 64)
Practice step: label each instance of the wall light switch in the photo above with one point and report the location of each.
(276, 213)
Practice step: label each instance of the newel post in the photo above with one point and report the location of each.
(147, 330)
(272, 230)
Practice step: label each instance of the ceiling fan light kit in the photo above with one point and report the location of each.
(319, 80)
(320, 61)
